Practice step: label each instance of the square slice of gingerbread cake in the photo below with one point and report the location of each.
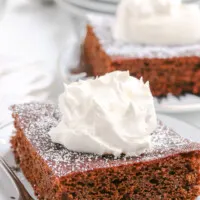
(169, 170)
(170, 69)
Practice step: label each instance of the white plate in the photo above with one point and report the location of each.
(7, 188)
(81, 8)
(183, 104)
(93, 5)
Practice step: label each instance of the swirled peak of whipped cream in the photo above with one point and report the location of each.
(111, 114)
(157, 22)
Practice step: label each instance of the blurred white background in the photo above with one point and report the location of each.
(33, 36)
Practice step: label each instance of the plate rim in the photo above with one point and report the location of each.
(81, 10)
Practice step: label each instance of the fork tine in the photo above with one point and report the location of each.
(24, 195)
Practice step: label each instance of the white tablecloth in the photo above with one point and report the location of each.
(33, 38)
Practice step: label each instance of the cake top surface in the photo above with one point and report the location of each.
(36, 119)
(102, 27)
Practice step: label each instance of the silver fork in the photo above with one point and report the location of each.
(23, 194)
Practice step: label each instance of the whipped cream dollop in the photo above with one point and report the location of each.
(112, 114)
(157, 22)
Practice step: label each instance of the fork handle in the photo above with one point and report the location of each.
(24, 195)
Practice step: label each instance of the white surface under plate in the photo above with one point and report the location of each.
(7, 189)
(182, 104)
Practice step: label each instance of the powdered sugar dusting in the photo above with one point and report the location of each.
(102, 26)
(36, 119)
